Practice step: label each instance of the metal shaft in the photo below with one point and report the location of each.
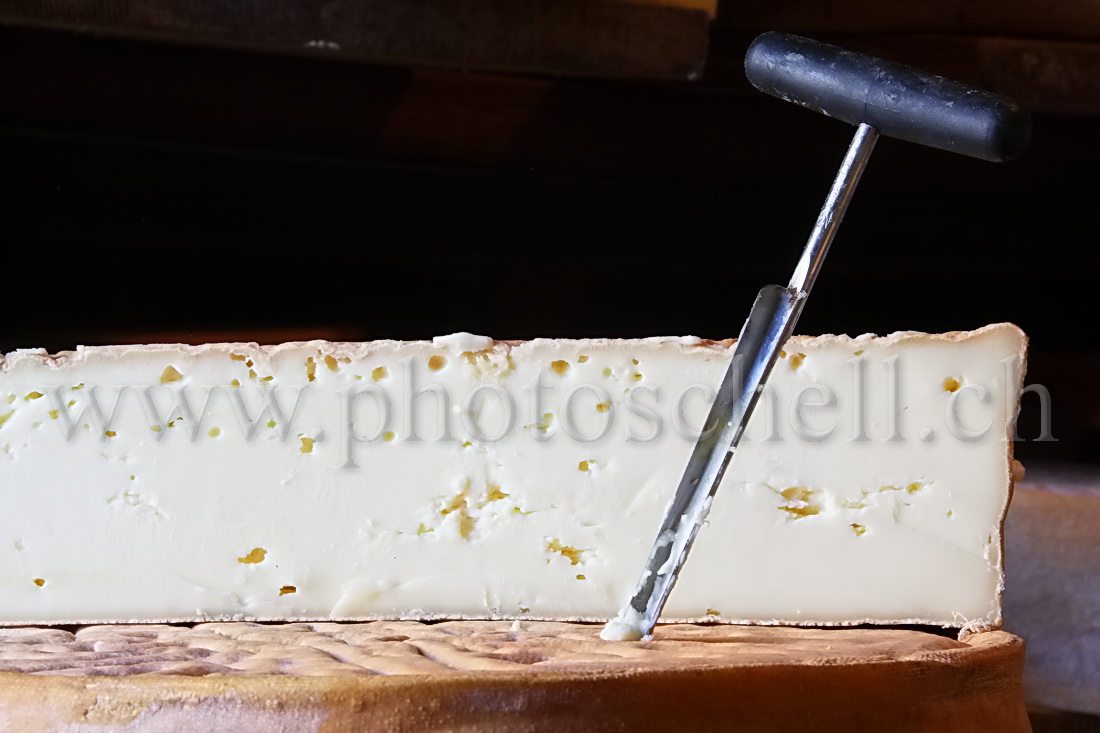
(836, 204)
(766, 331)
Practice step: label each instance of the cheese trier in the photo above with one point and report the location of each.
(472, 478)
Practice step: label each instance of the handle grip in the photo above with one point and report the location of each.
(896, 100)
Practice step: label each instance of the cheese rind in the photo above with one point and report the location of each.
(526, 480)
(499, 676)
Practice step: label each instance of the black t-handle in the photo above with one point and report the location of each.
(896, 100)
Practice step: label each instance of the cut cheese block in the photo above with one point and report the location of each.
(501, 676)
(467, 478)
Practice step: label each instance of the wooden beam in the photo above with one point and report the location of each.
(651, 39)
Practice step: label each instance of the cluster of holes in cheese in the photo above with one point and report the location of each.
(436, 362)
(800, 502)
(463, 505)
(574, 555)
(463, 502)
(950, 384)
(800, 497)
(257, 555)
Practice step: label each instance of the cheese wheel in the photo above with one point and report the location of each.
(501, 676)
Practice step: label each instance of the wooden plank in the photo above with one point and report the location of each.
(1055, 19)
(656, 39)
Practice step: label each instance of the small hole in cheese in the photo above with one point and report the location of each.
(379, 373)
(255, 557)
(214, 432)
(572, 553)
(802, 511)
(950, 384)
(796, 360)
(436, 362)
(39, 582)
(311, 369)
(287, 589)
(307, 444)
(582, 359)
(330, 362)
(170, 374)
(603, 407)
(582, 466)
(801, 502)
(33, 396)
(560, 366)
(796, 493)
(466, 525)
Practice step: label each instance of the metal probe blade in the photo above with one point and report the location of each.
(767, 329)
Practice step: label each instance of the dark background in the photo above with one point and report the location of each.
(159, 191)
